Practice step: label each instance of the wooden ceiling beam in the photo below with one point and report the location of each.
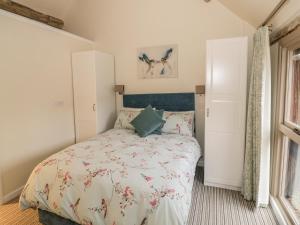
(25, 11)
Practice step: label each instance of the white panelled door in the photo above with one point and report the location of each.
(94, 96)
(225, 100)
(84, 83)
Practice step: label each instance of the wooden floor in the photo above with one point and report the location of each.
(210, 206)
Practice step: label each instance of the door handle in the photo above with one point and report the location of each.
(207, 112)
(94, 107)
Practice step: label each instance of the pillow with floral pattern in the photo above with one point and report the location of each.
(179, 123)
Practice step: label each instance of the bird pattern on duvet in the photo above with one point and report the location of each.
(117, 178)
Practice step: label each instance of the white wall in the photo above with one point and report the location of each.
(36, 96)
(120, 27)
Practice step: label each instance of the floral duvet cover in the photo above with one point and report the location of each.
(117, 178)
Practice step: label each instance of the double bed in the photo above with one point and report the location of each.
(118, 178)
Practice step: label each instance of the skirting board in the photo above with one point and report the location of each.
(224, 186)
(12, 195)
(277, 212)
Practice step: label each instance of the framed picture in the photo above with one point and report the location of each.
(158, 62)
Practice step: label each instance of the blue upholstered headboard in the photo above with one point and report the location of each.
(169, 102)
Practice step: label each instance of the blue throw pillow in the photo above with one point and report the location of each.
(147, 122)
(158, 130)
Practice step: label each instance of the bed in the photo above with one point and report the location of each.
(118, 178)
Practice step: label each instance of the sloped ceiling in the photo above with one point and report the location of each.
(56, 8)
(252, 11)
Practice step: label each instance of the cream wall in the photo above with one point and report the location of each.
(120, 27)
(36, 112)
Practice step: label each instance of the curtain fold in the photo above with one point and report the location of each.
(258, 127)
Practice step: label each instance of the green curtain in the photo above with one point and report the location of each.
(257, 152)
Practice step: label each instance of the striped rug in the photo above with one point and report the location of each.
(210, 206)
(216, 206)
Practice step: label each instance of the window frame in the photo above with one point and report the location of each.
(288, 97)
(283, 130)
(287, 134)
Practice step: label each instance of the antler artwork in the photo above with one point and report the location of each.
(152, 62)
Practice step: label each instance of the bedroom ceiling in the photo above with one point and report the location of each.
(252, 11)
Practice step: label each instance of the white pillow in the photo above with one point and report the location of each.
(179, 123)
(126, 115)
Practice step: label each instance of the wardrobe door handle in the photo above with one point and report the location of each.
(94, 107)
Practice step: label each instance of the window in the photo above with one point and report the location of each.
(289, 139)
(292, 115)
(292, 176)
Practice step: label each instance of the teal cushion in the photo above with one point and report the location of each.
(147, 122)
(158, 130)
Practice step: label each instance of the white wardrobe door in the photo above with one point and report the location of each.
(106, 97)
(84, 79)
(226, 84)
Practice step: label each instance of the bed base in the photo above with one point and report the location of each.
(48, 218)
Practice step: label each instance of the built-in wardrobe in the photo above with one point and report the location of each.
(94, 96)
(225, 104)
